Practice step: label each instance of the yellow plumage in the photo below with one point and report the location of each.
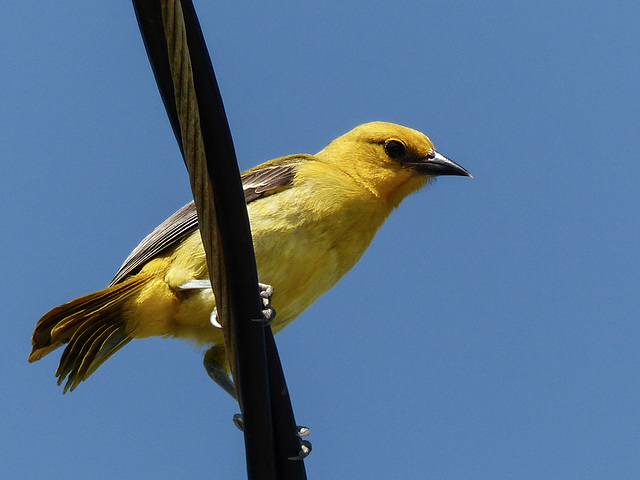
(312, 217)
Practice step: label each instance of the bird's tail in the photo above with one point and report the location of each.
(93, 327)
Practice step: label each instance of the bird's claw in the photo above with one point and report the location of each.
(238, 421)
(305, 445)
(305, 450)
(213, 318)
(268, 313)
(266, 292)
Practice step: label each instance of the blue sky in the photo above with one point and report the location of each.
(490, 331)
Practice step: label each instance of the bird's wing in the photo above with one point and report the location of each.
(271, 177)
(174, 228)
(261, 181)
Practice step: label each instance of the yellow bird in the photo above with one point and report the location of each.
(312, 217)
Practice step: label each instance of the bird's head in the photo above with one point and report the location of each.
(388, 159)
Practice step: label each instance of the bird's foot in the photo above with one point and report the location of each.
(268, 312)
(305, 445)
(266, 292)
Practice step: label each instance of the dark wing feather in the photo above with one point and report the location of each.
(271, 177)
(174, 228)
(258, 182)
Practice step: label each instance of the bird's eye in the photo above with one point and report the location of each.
(394, 148)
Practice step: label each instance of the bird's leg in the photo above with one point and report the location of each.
(217, 371)
(214, 359)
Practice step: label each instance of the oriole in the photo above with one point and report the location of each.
(312, 217)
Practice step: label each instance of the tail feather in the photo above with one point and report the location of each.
(93, 328)
(81, 352)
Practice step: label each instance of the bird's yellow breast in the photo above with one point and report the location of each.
(305, 242)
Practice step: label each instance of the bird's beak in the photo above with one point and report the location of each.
(436, 164)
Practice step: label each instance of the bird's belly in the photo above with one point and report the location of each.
(302, 260)
(298, 272)
(299, 255)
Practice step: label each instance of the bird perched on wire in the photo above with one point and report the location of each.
(311, 216)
